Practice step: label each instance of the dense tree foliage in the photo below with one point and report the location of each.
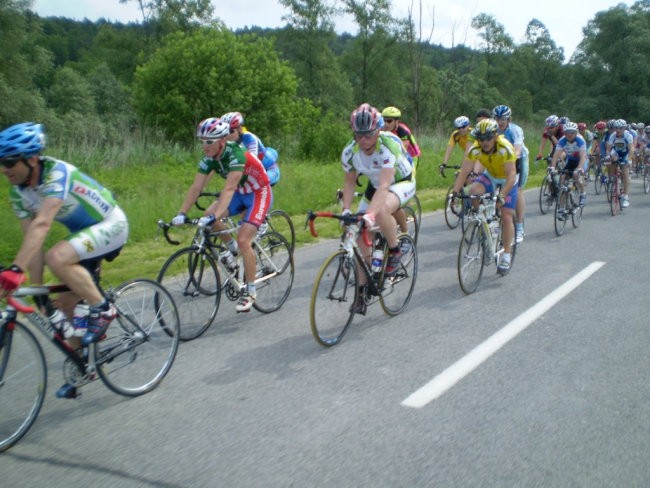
(96, 81)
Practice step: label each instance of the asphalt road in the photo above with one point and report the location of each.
(562, 399)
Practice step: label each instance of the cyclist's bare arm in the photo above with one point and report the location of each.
(348, 188)
(200, 180)
(36, 231)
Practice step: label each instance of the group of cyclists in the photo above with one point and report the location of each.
(383, 148)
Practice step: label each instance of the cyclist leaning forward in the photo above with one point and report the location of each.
(382, 158)
(246, 189)
(574, 148)
(44, 190)
(497, 155)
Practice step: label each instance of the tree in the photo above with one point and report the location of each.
(497, 47)
(370, 63)
(209, 72)
(22, 62)
(307, 46)
(613, 54)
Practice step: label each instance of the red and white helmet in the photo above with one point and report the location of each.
(365, 118)
(212, 128)
(234, 119)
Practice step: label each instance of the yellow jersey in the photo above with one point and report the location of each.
(494, 162)
(457, 138)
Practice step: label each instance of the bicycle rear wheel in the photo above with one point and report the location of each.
(562, 211)
(275, 270)
(333, 294)
(470, 256)
(599, 181)
(193, 281)
(397, 289)
(141, 343)
(414, 203)
(23, 381)
(280, 222)
(412, 223)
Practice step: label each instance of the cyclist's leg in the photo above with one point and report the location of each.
(257, 206)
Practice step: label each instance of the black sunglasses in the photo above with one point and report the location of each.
(388, 121)
(11, 161)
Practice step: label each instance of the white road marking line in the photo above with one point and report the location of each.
(464, 366)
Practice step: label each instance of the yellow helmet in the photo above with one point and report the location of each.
(391, 112)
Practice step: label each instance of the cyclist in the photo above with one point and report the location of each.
(588, 136)
(240, 134)
(515, 134)
(392, 123)
(553, 131)
(495, 153)
(44, 190)
(574, 148)
(459, 137)
(247, 189)
(620, 147)
(381, 157)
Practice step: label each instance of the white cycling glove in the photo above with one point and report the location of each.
(207, 220)
(179, 219)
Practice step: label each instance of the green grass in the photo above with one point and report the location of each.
(154, 190)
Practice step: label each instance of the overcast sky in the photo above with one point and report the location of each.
(450, 20)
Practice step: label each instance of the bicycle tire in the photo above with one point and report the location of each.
(334, 292)
(23, 377)
(576, 209)
(471, 256)
(397, 290)
(274, 271)
(646, 180)
(599, 181)
(614, 197)
(412, 223)
(141, 342)
(196, 290)
(418, 207)
(279, 221)
(560, 223)
(453, 210)
(546, 199)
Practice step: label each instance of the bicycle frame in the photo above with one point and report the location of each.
(354, 227)
(84, 363)
(485, 213)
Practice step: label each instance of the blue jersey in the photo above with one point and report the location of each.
(621, 144)
(572, 148)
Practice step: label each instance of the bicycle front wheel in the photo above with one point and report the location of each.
(614, 197)
(576, 212)
(545, 196)
(333, 295)
(453, 209)
(470, 256)
(274, 272)
(280, 222)
(193, 280)
(23, 381)
(397, 289)
(141, 343)
(562, 212)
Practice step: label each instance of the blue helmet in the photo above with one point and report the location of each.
(501, 111)
(26, 139)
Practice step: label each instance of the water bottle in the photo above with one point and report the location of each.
(494, 229)
(61, 323)
(377, 260)
(80, 319)
(228, 259)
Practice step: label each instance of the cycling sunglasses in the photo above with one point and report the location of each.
(11, 161)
